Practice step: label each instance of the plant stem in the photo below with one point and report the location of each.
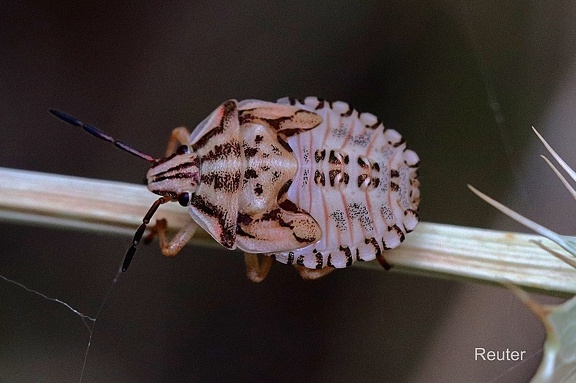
(433, 249)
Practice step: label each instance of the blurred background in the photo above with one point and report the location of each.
(462, 81)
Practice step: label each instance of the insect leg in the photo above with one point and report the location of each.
(256, 271)
(383, 262)
(172, 247)
(311, 274)
(180, 136)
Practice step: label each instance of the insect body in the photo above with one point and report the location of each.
(306, 182)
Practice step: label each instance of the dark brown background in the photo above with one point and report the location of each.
(424, 67)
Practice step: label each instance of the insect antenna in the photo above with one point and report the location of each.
(120, 145)
(140, 232)
(100, 134)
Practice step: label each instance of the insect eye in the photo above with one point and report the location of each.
(184, 198)
(183, 149)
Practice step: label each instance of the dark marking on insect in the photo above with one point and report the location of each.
(359, 211)
(386, 212)
(276, 175)
(228, 149)
(319, 178)
(303, 239)
(332, 175)
(358, 255)
(414, 213)
(397, 144)
(277, 123)
(289, 206)
(284, 145)
(305, 177)
(241, 232)
(250, 151)
(306, 155)
(180, 175)
(284, 189)
(340, 219)
(250, 173)
(375, 125)
(394, 186)
(348, 113)
(244, 219)
(362, 162)
(319, 155)
(272, 215)
(384, 245)
(362, 140)
(177, 168)
(347, 254)
(223, 181)
(319, 261)
(374, 242)
(333, 159)
(227, 237)
(361, 179)
(399, 232)
(174, 169)
(229, 108)
(329, 261)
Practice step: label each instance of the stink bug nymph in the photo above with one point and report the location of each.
(309, 183)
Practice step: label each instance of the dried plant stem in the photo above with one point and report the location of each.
(433, 249)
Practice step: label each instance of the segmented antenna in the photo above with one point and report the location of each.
(140, 232)
(120, 145)
(100, 134)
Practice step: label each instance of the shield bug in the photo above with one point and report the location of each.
(309, 183)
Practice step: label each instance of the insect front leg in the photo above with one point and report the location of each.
(257, 270)
(180, 136)
(311, 274)
(172, 247)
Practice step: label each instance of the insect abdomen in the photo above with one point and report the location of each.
(357, 180)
